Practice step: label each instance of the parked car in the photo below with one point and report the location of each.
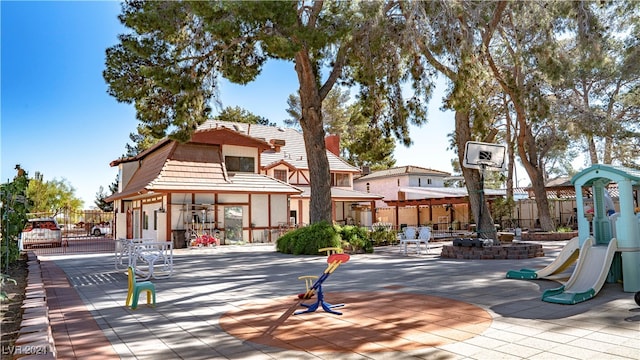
(41, 231)
(101, 229)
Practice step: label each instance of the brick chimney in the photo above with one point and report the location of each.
(332, 142)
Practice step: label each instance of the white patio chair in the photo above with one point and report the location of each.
(409, 236)
(153, 259)
(424, 236)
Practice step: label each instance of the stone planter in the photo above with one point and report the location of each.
(548, 236)
(500, 252)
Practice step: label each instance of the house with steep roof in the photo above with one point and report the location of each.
(248, 182)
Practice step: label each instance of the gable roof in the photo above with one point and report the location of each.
(194, 166)
(402, 170)
(442, 192)
(212, 135)
(287, 145)
(343, 194)
(151, 165)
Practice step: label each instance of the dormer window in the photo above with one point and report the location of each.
(342, 180)
(280, 175)
(240, 164)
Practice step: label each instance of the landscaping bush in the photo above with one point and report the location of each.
(383, 235)
(356, 237)
(307, 240)
(14, 215)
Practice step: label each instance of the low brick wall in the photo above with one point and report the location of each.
(35, 338)
(510, 251)
(548, 236)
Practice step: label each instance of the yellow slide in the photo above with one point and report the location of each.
(553, 271)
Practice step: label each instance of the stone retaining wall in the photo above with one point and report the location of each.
(548, 236)
(35, 339)
(511, 251)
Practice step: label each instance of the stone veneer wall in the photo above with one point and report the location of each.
(511, 251)
(548, 236)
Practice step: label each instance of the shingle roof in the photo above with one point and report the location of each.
(238, 182)
(293, 151)
(196, 167)
(341, 193)
(170, 166)
(403, 170)
(440, 192)
(150, 168)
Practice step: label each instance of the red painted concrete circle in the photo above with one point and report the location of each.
(371, 322)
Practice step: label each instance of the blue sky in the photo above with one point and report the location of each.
(58, 119)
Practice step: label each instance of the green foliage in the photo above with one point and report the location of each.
(360, 143)
(382, 235)
(238, 114)
(597, 84)
(13, 215)
(51, 197)
(307, 240)
(5, 278)
(169, 64)
(356, 237)
(502, 208)
(142, 140)
(101, 195)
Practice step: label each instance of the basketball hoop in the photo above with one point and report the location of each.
(484, 156)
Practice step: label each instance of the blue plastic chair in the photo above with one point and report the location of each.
(137, 287)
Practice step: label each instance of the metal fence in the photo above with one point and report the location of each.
(76, 245)
(77, 237)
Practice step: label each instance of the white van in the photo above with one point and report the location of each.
(41, 232)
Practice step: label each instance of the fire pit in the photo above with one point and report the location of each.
(469, 248)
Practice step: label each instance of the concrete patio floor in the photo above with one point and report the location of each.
(235, 302)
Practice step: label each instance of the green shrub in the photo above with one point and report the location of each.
(13, 214)
(383, 237)
(383, 234)
(307, 240)
(564, 229)
(357, 237)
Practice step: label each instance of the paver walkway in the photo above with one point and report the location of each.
(76, 334)
(206, 310)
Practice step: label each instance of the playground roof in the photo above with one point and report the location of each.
(603, 171)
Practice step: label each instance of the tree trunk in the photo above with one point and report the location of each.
(485, 226)
(526, 144)
(531, 165)
(593, 153)
(510, 154)
(607, 157)
(320, 207)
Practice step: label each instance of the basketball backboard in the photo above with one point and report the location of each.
(490, 156)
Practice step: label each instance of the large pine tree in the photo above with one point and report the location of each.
(169, 64)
